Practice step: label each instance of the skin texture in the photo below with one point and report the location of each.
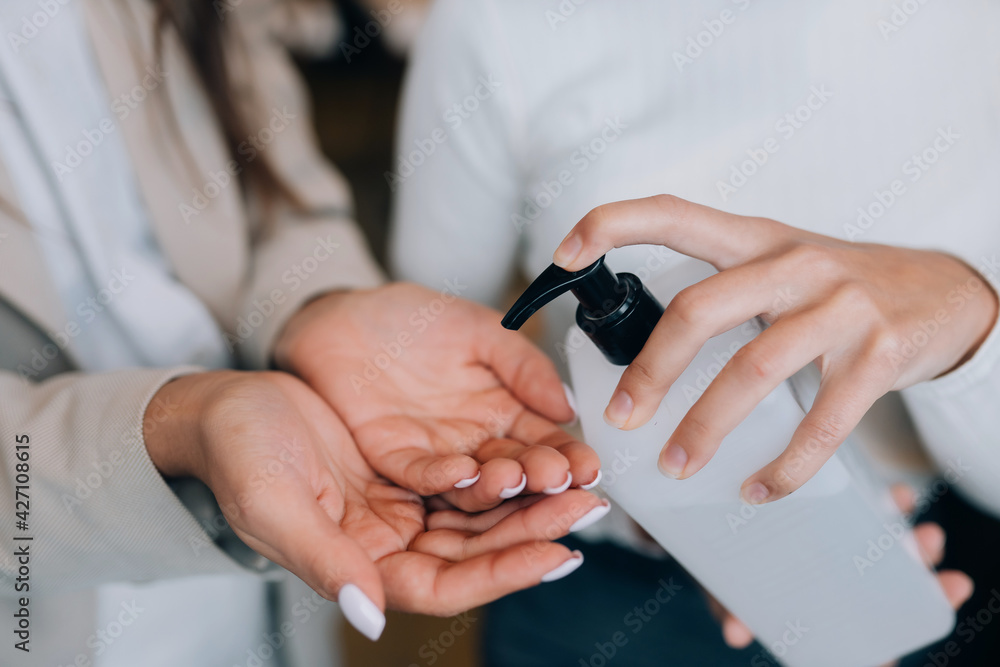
(435, 391)
(873, 318)
(293, 485)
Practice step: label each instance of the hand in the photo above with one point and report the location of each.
(440, 398)
(293, 486)
(873, 318)
(930, 538)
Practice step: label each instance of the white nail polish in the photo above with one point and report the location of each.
(591, 517)
(553, 490)
(568, 566)
(571, 399)
(466, 483)
(361, 612)
(597, 480)
(512, 491)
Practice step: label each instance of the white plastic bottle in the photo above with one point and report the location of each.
(829, 576)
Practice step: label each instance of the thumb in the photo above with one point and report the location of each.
(311, 545)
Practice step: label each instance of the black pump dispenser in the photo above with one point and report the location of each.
(617, 312)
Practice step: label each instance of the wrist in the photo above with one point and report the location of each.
(293, 343)
(172, 423)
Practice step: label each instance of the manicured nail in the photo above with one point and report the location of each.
(619, 409)
(755, 494)
(361, 612)
(672, 461)
(567, 251)
(553, 490)
(564, 569)
(591, 517)
(466, 483)
(597, 480)
(572, 404)
(512, 491)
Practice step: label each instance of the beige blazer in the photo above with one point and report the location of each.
(99, 507)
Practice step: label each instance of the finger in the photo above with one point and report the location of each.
(930, 538)
(698, 231)
(748, 377)
(706, 309)
(957, 586)
(584, 464)
(904, 497)
(428, 474)
(548, 521)
(418, 582)
(524, 369)
(842, 401)
(547, 470)
(452, 519)
(735, 632)
(501, 478)
(313, 547)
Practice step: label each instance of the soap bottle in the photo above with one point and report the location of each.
(829, 576)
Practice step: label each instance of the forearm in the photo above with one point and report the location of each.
(99, 508)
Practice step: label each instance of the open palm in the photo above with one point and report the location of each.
(295, 488)
(440, 398)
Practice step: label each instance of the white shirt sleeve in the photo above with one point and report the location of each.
(958, 417)
(455, 174)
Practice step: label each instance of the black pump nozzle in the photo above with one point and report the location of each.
(617, 312)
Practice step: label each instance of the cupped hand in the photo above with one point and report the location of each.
(930, 539)
(294, 487)
(440, 398)
(873, 318)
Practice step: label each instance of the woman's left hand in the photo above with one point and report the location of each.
(873, 318)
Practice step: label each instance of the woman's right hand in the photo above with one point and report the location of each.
(293, 486)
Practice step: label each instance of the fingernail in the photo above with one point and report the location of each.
(553, 490)
(672, 461)
(466, 483)
(591, 517)
(564, 569)
(619, 409)
(512, 491)
(567, 251)
(361, 612)
(755, 494)
(597, 480)
(572, 404)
